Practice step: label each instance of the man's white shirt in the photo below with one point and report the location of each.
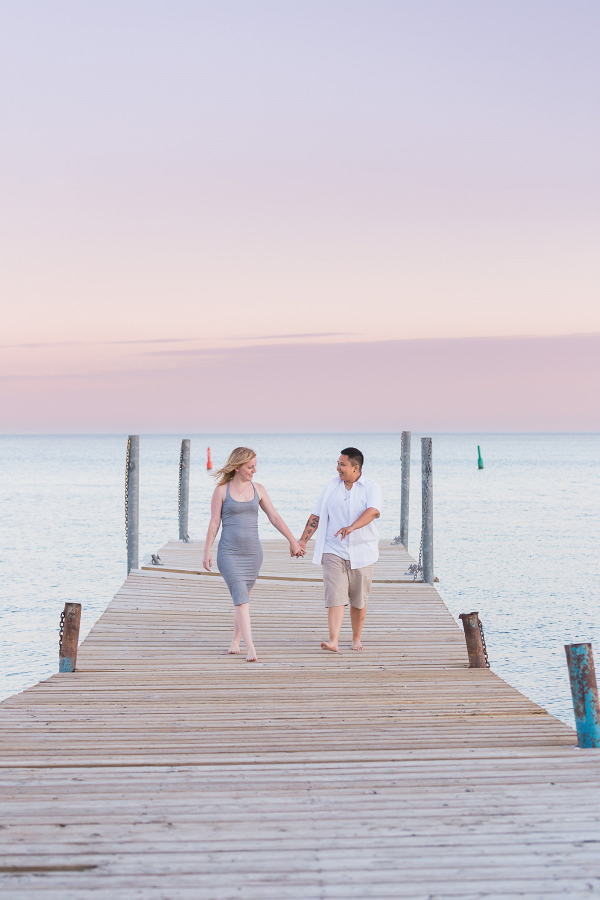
(337, 508)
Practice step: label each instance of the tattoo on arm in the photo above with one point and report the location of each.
(310, 528)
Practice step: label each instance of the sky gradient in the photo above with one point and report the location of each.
(248, 195)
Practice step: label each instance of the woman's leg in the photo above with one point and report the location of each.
(242, 622)
(234, 647)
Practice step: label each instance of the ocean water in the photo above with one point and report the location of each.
(519, 541)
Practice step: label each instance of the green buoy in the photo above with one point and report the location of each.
(479, 460)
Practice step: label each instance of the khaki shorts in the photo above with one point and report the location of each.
(343, 584)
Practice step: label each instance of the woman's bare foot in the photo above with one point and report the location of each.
(356, 645)
(252, 657)
(235, 647)
(329, 645)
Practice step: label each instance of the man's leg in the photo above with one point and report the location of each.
(335, 580)
(357, 618)
(335, 617)
(358, 592)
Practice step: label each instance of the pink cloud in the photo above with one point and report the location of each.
(495, 384)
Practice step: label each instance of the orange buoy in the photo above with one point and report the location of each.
(209, 460)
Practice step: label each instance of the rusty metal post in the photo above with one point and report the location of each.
(184, 490)
(132, 501)
(584, 689)
(404, 488)
(475, 647)
(69, 637)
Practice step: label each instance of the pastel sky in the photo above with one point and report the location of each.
(188, 181)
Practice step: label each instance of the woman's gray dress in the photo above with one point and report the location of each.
(240, 554)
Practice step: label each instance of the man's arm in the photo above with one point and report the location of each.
(364, 519)
(309, 529)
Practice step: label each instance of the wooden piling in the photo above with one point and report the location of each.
(132, 501)
(184, 490)
(474, 640)
(405, 488)
(69, 637)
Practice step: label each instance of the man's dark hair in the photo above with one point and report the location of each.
(354, 455)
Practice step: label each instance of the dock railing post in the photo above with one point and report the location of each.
(184, 490)
(427, 509)
(70, 620)
(405, 488)
(475, 641)
(132, 501)
(584, 689)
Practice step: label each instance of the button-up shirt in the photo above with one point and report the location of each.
(337, 510)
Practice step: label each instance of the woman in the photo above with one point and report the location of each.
(235, 505)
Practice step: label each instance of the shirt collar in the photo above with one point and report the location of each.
(361, 480)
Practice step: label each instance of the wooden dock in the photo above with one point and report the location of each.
(164, 769)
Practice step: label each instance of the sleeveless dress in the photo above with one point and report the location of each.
(240, 553)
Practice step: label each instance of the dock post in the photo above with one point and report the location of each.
(427, 509)
(584, 689)
(475, 641)
(405, 488)
(184, 490)
(132, 501)
(70, 620)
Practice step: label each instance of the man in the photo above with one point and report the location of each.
(346, 544)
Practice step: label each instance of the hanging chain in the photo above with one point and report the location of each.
(485, 653)
(418, 569)
(61, 630)
(127, 490)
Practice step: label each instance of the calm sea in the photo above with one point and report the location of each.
(519, 541)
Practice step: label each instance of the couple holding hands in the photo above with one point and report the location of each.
(346, 542)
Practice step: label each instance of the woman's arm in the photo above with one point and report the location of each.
(277, 522)
(216, 505)
(364, 519)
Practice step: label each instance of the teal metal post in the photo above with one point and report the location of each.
(584, 689)
(479, 459)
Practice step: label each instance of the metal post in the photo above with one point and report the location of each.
(405, 488)
(69, 637)
(132, 501)
(427, 509)
(584, 689)
(184, 490)
(474, 640)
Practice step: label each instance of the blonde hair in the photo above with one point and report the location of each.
(236, 458)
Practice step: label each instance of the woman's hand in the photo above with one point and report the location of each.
(207, 561)
(295, 549)
(344, 532)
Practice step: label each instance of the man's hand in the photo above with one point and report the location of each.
(302, 544)
(364, 519)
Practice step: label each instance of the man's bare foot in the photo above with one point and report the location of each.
(252, 657)
(235, 647)
(328, 645)
(356, 645)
